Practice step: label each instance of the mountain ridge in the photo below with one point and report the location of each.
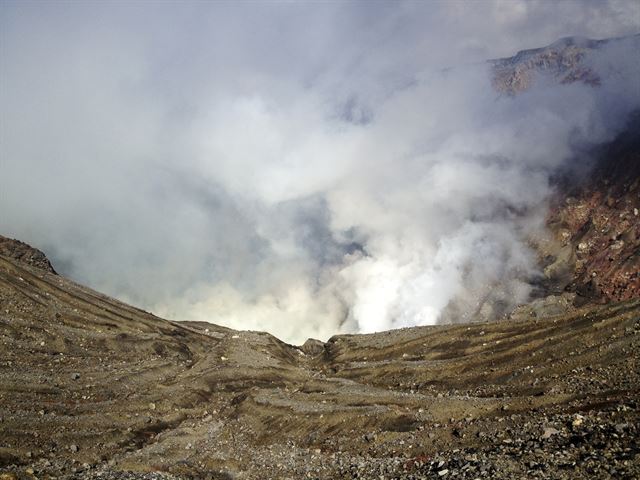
(563, 60)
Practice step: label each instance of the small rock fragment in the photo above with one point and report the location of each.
(621, 427)
(577, 420)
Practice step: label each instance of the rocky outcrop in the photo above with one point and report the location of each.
(562, 61)
(596, 226)
(593, 254)
(24, 253)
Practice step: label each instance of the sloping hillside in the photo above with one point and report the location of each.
(91, 388)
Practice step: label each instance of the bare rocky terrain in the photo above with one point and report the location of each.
(93, 388)
(564, 62)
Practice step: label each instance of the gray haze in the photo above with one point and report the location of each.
(301, 168)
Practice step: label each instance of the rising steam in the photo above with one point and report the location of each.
(288, 185)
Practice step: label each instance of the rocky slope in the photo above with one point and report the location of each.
(597, 224)
(93, 388)
(565, 61)
(593, 252)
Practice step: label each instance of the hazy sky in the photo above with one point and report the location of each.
(305, 168)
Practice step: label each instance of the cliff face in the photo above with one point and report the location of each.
(564, 61)
(593, 252)
(597, 224)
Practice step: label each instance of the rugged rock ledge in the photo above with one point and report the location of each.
(24, 253)
(595, 223)
(562, 62)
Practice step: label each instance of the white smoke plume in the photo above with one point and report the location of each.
(305, 170)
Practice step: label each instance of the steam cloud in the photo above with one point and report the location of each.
(305, 170)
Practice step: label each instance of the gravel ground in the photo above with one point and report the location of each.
(93, 388)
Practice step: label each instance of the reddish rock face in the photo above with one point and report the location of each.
(563, 61)
(599, 220)
(564, 65)
(595, 223)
